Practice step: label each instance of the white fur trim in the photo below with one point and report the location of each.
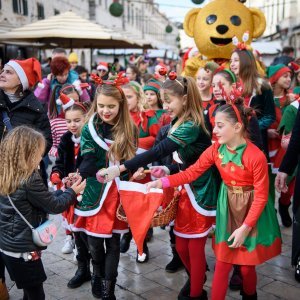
(94, 134)
(198, 209)
(96, 210)
(69, 104)
(20, 72)
(120, 231)
(192, 236)
(177, 158)
(295, 104)
(101, 235)
(142, 257)
(137, 187)
(75, 140)
(41, 85)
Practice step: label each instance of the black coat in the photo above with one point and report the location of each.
(65, 162)
(289, 163)
(34, 201)
(28, 111)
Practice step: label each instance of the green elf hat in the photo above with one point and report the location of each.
(275, 72)
(152, 85)
(296, 90)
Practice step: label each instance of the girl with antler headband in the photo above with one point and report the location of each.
(108, 138)
(186, 140)
(243, 211)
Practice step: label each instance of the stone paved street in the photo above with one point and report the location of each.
(150, 281)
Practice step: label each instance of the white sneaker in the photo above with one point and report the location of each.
(68, 246)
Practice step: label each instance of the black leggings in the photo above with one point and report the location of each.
(2, 269)
(105, 260)
(34, 293)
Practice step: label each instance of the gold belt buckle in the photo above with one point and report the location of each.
(237, 190)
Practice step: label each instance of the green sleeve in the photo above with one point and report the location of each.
(185, 134)
(288, 119)
(87, 143)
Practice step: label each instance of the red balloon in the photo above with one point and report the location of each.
(172, 75)
(162, 71)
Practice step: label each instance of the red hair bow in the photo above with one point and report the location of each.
(121, 79)
(97, 79)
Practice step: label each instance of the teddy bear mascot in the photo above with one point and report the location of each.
(213, 27)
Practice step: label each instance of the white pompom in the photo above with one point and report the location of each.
(142, 257)
(58, 101)
(79, 198)
(41, 85)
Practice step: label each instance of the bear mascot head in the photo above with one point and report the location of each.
(213, 27)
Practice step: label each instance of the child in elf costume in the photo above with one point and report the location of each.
(67, 163)
(280, 79)
(108, 138)
(187, 139)
(244, 211)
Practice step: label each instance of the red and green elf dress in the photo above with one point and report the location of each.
(96, 213)
(197, 205)
(243, 199)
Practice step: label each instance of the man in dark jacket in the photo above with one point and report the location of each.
(287, 56)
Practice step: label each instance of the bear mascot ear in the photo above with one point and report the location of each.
(189, 21)
(259, 22)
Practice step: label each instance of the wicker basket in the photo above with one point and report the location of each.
(161, 218)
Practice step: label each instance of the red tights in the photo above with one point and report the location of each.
(285, 198)
(220, 280)
(192, 254)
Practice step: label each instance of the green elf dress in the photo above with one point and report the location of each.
(243, 199)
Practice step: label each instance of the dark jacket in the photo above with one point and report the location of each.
(34, 201)
(264, 107)
(28, 111)
(65, 162)
(288, 165)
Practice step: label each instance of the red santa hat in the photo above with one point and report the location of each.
(28, 71)
(102, 66)
(65, 101)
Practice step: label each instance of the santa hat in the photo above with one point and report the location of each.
(295, 67)
(159, 66)
(73, 57)
(139, 207)
(275, 72)
(28, 71)
(152, 85)
(102, 66)
(65, 101)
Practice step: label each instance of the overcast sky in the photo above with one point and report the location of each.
(176, 10)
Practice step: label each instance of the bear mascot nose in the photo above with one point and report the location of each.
(222, 29)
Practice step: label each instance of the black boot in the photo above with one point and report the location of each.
(285, 215)
(125, 242)
(236, 280)
(96, 282)
(108, 289)
(175, 264)
(248, 297)
(149, 234)
(185, 291)
(82, 274)
(202, 297)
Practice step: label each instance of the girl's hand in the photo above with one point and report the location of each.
(273, 134)
(157, 184)
(138, 175)
(79, 185)
(159, 171)
(280, 182)
(106, 175)
(239, 236)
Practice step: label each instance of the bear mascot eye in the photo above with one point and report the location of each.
(235, 20)
(211, 19)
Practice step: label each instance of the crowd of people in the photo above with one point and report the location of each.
(223, 140)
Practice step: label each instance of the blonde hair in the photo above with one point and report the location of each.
(124, 132)
(18, 154)
(138, 91)
(193, 110)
